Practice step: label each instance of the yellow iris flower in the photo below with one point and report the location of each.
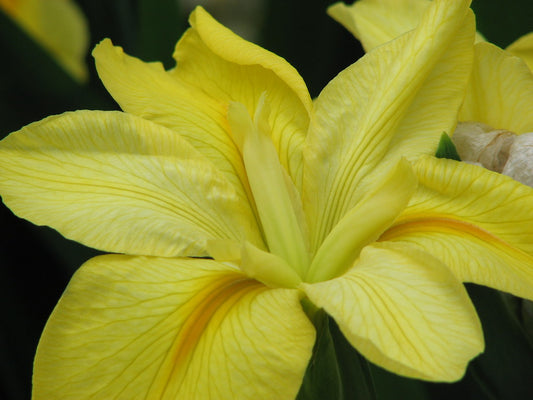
(227, 157)
(57, 25)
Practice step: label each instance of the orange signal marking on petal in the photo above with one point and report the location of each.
(442, 224)
(418, 224)
(207, 307)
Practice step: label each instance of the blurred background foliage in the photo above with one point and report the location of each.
(36, 263)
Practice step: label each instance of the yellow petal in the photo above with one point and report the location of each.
(404, 311)
(500, 92)
(147, 90)
(120, 183)
(268, 268)
(374, 22)
(59, 26)
(523, 48)
(154, 328)
(228, 68)
(479, 223)
(396, 101)
(364, 223)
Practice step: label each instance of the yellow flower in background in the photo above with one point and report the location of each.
(499, 96)
(229, 198)
(57, 25)
(523, 48)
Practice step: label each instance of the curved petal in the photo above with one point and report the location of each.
(119, 183)
(479, 223)
(374, 22)
(395, 101)
(523, 48)
(57, 25)
(139, 327)
(404, 311)
(500, 92)
(364, 223)
(148, 91)
(228, 68)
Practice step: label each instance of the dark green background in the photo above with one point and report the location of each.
(36, 263)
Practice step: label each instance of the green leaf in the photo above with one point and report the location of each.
(322, 379)
(505, 370)
(446, 148)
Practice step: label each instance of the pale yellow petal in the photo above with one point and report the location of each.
(364, 223)
(404, 311)
(154, 328)
(147, 90)
(395, 101)
(478, 222)
(500, 92)
(57, 25)
(228, 68)
(120, 183)
(523, 48)
(374, 22)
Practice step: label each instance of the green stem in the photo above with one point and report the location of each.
(356, 375)
(336, 370)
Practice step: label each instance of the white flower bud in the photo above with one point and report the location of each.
(496, 149)
(519, 166)
(479, 143)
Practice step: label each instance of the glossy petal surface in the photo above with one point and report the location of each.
(140, 327)
(477, 222)
(120, 183)
(403, 310)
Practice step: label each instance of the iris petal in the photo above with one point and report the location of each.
(396, 101)
(119, 183)
(403, 310)
(150, 92)
(140, 327)
(523, 48)
(500, 92)
(377, 22)
(477, 222)
(227, 68)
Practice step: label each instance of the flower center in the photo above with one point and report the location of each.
(278, 204)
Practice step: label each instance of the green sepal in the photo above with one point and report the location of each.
(446, 148)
